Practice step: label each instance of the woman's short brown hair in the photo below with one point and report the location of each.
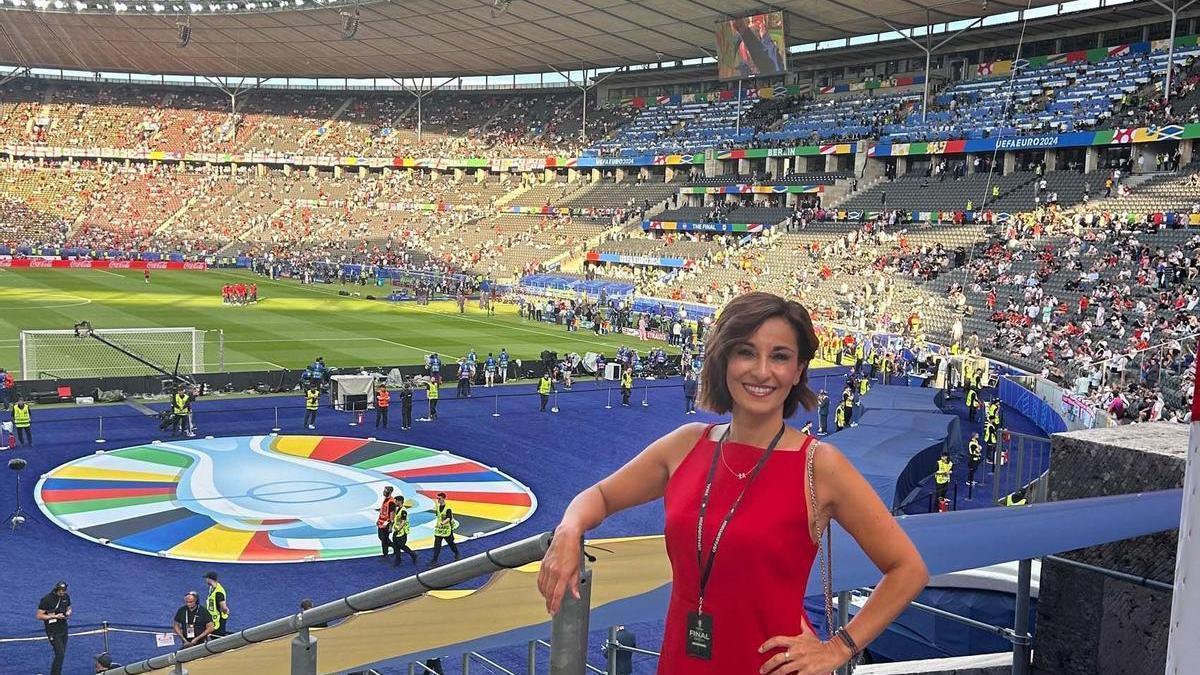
(738, 321)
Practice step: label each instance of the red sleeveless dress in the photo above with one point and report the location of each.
(756, 589)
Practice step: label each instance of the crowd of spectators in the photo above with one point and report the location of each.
(1106, 312)
(203, 119)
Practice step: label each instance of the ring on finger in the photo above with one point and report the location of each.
(787, 656)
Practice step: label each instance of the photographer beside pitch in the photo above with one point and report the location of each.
(758, 469)
(53, 611)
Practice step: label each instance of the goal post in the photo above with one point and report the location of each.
(64, 354)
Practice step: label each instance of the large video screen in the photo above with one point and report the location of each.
(752, 46)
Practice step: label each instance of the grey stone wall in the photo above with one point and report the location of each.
(1089, 624)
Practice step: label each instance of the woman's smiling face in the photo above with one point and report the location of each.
(762, 370)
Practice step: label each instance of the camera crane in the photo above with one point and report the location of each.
(83, 330)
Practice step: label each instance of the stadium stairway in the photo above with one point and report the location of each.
(509, 196)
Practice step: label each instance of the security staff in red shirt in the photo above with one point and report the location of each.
(383, 399)
(387, 510)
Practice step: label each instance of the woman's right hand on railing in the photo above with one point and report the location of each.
(560, 568)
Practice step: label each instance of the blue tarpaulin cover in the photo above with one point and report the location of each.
(900, 397)
(896, 449)
(892, 459)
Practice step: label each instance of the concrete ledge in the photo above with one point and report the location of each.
(1087, 623)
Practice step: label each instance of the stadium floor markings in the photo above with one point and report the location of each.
(78, 302)
(260, 499)
(401, 344)
(253, 363)
(314, 339)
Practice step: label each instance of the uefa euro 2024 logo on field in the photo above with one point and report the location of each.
(261, 499)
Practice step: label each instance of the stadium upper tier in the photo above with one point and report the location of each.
(1055, 98)
(1045, 97)
(74, 115)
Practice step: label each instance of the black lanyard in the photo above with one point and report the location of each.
(706, 568)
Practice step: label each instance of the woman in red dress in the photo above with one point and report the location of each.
(739, 533)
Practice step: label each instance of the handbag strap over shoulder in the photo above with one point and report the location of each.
(824, 540)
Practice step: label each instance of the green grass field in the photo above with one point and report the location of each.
(291, 325)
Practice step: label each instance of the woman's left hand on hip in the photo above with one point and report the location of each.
(802, 654)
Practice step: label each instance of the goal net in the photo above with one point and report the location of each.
(60, 354)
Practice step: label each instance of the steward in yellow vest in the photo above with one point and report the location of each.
(974, 456)
(400, 530)
(443, 531)
(942, 477)
(22, 422)
(217, 604)
(545, 386)
(312, 402)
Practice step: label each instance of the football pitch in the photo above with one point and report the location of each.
(290, 326)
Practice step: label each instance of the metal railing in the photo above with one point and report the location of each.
(613, 649)
(533, 652)
(1018, 461)
(304, 645)
(476, 656)
(1019, 635)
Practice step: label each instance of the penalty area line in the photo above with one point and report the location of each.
(251, 363)
(401, 344)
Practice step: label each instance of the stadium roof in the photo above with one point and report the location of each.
(409, 38)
